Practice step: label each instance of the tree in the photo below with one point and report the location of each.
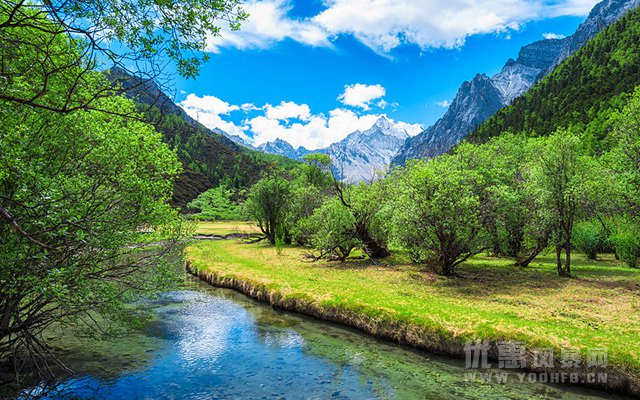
(333, 230)
(111, 33)
(316, 170)
(84, 218)
(516, 223)
(85, 222)
(363, 210)
(216, 204)
(436, 213)
(624, 158)
(561, 174)
(268, 204)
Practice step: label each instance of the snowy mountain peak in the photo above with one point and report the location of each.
(358, 156)
(384, 125)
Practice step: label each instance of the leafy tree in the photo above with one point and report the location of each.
(624, 158)
(561, 174)
(626, 241)
(316, 170)
(363, 207)
(268, 204)
(436, 213)
(587, 237)
(516, 223)
(116, 33)
(334, 233)
(84, 219)
(217, 204)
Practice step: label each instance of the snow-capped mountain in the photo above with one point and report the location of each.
(361, 154)
(283, 148)
(358, 156)
(479, 99)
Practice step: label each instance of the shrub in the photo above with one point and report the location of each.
(334, 233)
(436, 213)
(626, 241)
(216, 204)
(587, 237)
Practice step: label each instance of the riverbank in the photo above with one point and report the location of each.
(493, 301)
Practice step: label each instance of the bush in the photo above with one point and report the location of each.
(216, 204)
(268, 204)
(436, 213)
(587, 237)
(626, 241)
(335, 234)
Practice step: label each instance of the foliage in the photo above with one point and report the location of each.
(334, 230)
(84, 195)
(268, 204)
(128, 30)
(587, 237)
(624, 158)
(517, 225)
(560, 174)
(316, 170)
(436, 213)
(85, 223)
(218, 203)
(582, 94)
(626, 241)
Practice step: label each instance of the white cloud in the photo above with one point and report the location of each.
(268, 24)
(320, 130)
(361, 95)
(443, 103)
(551, 35)
(577, 8)
(208, 110)
(287, 110)
(386, 24)
(247, 107)
(312, 131)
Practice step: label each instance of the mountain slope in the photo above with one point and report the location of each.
(582, 92)
(479, 99)
(208, 158)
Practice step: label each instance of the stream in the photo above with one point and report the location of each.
(209, 343)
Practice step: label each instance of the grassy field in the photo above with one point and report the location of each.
(223, 228)
(492, 299)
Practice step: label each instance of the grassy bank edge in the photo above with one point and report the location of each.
(430, 339)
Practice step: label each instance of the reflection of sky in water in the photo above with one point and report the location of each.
(219, 345)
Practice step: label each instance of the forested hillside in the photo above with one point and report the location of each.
(209, 159)
(582, 94)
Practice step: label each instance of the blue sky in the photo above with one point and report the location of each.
(310, 72)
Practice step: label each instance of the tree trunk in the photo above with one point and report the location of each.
(559, 260)
(372, 247)
(524, 262)
(567, 266)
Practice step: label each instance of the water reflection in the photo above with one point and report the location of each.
(208, 343)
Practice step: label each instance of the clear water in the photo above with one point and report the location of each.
(209, 343)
